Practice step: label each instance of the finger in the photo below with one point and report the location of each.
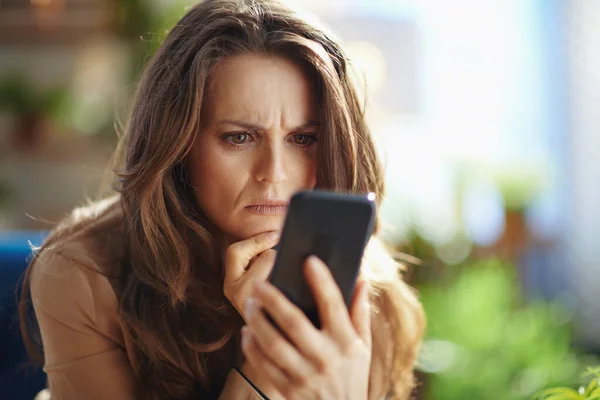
(294, 324)
(332, 309)
(259, 362)
(239, 254)
(360, 312)
(261, 268)
(274, 346)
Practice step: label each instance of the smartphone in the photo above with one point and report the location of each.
(333, 226)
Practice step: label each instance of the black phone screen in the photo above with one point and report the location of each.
(334, 227)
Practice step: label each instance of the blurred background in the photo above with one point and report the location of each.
(488, 116)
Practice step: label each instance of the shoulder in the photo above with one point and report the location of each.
(65, 275)
(91, 236)
(72, 275)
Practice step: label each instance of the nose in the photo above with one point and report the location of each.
(271, 163)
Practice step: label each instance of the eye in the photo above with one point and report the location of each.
(304, 139)
(238, 138)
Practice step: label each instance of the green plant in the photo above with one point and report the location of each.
(485, 342)
(145, 27)
(20, 97)
(591, 392)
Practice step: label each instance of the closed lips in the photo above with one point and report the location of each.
(268, 207)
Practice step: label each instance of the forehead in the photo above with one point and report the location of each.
(260, 86)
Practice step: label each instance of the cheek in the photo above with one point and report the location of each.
(306, 177)
(311, 177)
(215, 177)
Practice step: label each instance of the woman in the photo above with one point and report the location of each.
(144, 294)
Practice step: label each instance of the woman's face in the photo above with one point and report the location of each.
(257, 145)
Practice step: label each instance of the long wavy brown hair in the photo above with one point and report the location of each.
(171, 299)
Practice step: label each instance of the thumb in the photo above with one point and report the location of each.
(360, 312)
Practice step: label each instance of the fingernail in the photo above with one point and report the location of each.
(273, 235)
(250, 306)
(314, 263)
(367, 287)
(245, 335)
(366, 301)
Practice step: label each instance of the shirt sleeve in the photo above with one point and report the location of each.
(83, 359)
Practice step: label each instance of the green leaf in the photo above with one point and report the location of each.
(592, 371)
(593, 384)
(560, 394)
(563, 397)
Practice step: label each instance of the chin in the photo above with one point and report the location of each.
(249, 227)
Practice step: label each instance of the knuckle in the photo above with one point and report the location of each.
(353, 347)
(301, 381)
(322, 365)
(231, 253)
(349, 348)
(326, 369)
(295, 391)
(287, 391)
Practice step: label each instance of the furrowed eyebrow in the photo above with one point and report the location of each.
(254, 127)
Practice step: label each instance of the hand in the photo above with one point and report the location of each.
(331, 363)
(246, 261)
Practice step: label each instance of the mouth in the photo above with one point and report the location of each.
(268, 208)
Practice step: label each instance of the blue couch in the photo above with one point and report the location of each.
(19, 380)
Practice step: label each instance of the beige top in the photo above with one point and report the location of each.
(86, 352)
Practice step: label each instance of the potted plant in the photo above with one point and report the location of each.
(30, 107)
